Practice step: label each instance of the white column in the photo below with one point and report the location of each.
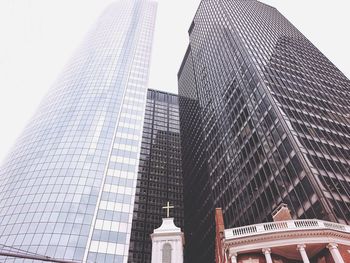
(302, 252)
(333, 248)
(225, 256)
(181, 254)
(155, 251)
(267, 253)
(176, 257)
(159, 251)
(233, 257)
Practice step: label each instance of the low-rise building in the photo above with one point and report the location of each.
(283, 241)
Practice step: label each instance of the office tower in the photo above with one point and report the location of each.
(265, 120)
(68, 187)
(159, 177)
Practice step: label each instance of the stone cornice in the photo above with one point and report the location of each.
(315, 234)
(283, 227)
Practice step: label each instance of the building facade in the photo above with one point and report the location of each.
(160, 175)
(67, 189)
(264, 119)
(167, 243)
(285, 241)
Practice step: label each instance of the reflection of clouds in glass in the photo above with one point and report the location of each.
(55, 176)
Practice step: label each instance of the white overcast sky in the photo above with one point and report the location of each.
(37, 37)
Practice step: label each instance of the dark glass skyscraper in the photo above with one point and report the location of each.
(159, 176)
(265, 119)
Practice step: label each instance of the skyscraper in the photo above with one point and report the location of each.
(264, 120)
(67, 189)
(159, 176)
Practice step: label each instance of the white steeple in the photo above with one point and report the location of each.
(167, 243)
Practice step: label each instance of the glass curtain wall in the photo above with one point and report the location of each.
(160, 173)
(273, 117)
(67, 189)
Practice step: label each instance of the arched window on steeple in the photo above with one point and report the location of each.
(166, 253)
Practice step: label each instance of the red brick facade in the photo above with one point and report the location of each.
(282, 213)
(345, 252)
(220, 227)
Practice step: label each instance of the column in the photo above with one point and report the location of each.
(302, 252)
(233, 257)
(267, 253)
(225, 257)
(333, 248)
(155, 251)
(159, 251)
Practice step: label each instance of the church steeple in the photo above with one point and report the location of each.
(167, 241)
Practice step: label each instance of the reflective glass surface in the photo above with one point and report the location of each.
(160, 174)
(68, 187)
(264, 121)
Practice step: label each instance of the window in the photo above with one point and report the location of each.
(166, 253)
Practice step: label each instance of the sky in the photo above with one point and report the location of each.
(37, 38)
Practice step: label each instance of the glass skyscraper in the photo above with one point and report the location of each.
(160, 174)
(67, 189)
(264, 119)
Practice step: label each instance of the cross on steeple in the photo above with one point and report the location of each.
(168, 207)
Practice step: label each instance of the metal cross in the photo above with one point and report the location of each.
(168, 207)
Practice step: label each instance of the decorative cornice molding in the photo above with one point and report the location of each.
(271, 236)
(284, 226)
(307, 236)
